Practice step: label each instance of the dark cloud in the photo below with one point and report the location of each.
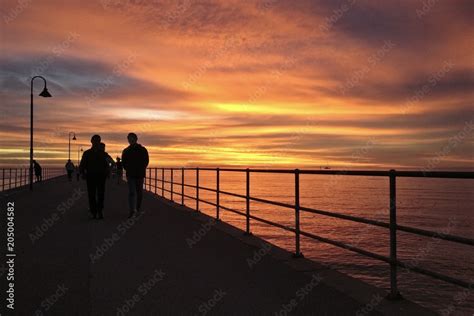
(71, 78)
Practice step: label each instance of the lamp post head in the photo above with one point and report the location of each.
(45, 93)
(74, 138)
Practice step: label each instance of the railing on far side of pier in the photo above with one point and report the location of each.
(12, 178)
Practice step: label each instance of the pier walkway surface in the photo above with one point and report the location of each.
(168, 261)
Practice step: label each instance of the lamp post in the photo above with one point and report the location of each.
(79, 149)
(45, 94)
(74, 138)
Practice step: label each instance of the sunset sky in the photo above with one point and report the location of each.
(345, 84)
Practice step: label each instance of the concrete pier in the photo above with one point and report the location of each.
(167, 261)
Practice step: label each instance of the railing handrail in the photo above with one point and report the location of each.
(13, 178)
(342, 172)
(392, 225)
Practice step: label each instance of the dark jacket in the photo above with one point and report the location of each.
(135, 160)
(94, 161)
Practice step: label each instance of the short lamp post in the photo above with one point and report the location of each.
(79, 150)
(73, 138)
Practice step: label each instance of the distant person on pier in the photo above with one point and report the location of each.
(110, 160)
(135, 160)
(93, 168)
(119, 168)
(69, 169)
(38, 171)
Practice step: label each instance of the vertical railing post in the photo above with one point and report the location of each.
(217, 193)
(182, 186)
(394, 294)
(16, 180)
(10, 178)
(298, 253)
(163, 182)
(247, 202)
(149, 179)
(172, 184)
(3, 180)
(197, 189)
(156, 179)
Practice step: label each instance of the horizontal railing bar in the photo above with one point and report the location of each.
(233, 194)
(413, 174)
(272, 202)
(189, 196)
(272, 223)
(177, 193)
(166, 190)
(208, 202)
(346, 246)
(207, 189)
(436, 174)
(437, 235)
(271, 170)
(347, 172)
(346, 217)
(231, 169)
(232, 210)
(435, 275)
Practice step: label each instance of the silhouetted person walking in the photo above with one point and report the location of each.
(135, 160)
(38, 171)
(119, 168)
(94, 168)
(69, 169)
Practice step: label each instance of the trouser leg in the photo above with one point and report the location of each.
(139, 188)
(91, 192)
(100, 193)
(132, 193)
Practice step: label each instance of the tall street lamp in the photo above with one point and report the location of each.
(45, 94)
(74, 138)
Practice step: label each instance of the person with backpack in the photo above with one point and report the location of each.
(93, 168)
(69, 169)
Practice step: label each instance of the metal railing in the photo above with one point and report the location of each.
(16, 177)
(152, 184)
